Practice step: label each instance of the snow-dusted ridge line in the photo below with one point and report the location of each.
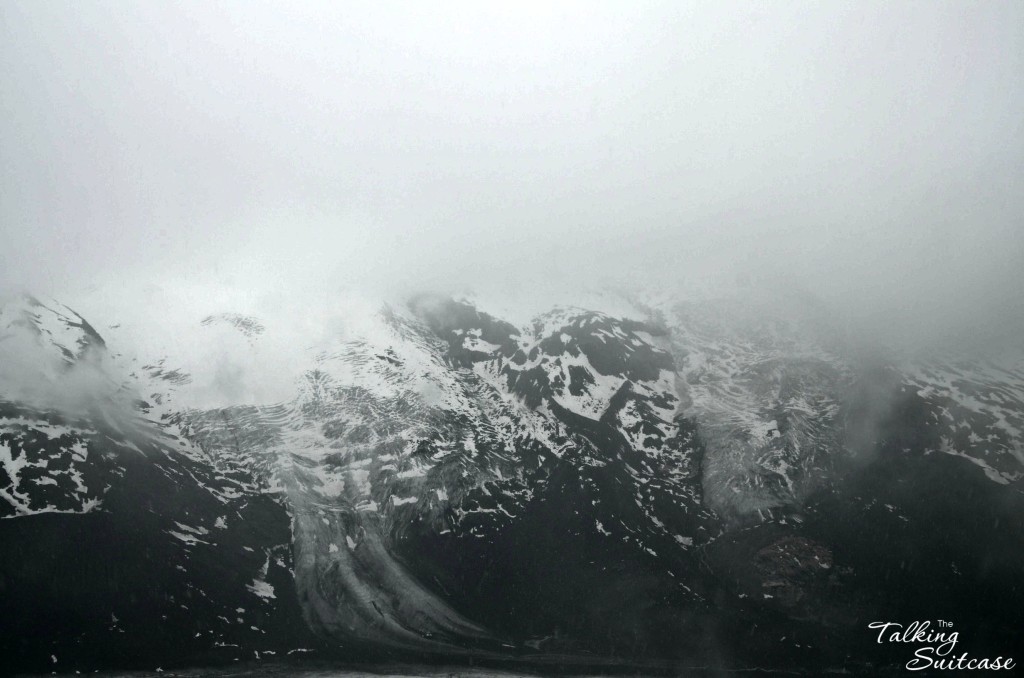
(440, 420)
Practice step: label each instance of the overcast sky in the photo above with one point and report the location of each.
(872, 150)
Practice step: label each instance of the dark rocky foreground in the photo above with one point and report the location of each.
(683, 495)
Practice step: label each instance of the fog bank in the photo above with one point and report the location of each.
(252, 154)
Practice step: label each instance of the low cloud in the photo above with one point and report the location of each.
(252, 156)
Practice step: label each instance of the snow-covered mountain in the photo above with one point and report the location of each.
(717, 482)
(122, 543)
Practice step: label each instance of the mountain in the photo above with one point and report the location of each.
(122, 543)
(719, 482)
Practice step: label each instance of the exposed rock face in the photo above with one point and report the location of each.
(695, 480)
(789, 565)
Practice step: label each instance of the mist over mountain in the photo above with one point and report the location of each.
(872, 154)
(431, 482)
(590, 337)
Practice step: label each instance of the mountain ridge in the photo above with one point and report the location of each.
(430, 484)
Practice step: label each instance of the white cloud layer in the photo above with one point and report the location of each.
(254, 154)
